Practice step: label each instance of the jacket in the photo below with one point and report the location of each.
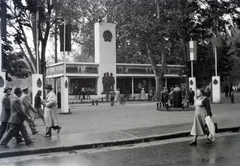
(17, 115)
(6, 109)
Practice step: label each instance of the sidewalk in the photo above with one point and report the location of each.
(103, 125)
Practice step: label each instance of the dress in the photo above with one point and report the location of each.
(199, 118)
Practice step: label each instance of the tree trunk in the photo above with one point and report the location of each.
(184, 45)
(159, 86)
(43, 63)
(158, 73)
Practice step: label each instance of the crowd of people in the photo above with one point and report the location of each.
(17, 109)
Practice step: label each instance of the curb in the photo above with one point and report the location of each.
(108, 144)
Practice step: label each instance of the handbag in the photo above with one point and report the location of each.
(211, 128)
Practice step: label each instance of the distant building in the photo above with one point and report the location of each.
(130, 78)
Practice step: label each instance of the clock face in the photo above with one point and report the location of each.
(107, 35)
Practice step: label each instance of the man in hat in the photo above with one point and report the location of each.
(16, 120)
(50, 111)
(27, 106)
(6, 111)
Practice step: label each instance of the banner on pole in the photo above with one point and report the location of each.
(67, 36)
(193, 50)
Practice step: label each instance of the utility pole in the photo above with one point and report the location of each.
(2, 36)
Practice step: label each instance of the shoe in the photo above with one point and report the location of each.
(35, 132)
(192, 143)
(5, 146)
(47, 135)
(20, 141)
(58, 129)
(209, 141)
(27, 143)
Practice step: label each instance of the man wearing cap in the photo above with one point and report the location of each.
(27, 106)
(6, 112)
(16, 120)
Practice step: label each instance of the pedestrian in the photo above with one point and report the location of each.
(16, 121)
(202, 109)
(76, 91)
(112, 96)
(165, 96)
(5, 114)
(38, 106)
(88, 89)
(142, 96)
(83, 93)
(226, 89)
(230, 90)
(170, 96)
(50, 111)
(117, 96)
(27, 106)
(191, 95)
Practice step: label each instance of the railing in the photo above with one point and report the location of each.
(146, 69)
(83, 68)
(91, 68)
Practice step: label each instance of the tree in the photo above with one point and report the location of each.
(12, 61)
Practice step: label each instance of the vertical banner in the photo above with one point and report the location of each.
(64, 96)
(192, 84)
(67, 36)
(37, 84)
(216, 89)
(193, 50)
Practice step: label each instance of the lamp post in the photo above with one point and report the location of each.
(216, 87)
(193, 56)
(37, 78)
(64, 79)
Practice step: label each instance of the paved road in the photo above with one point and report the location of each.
(174, 152)
(103, 125)
(88, 118)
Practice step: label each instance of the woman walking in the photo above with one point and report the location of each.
(37, 105)
(202, 109)
(50, 111)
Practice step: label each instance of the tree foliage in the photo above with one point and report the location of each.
(147, 31)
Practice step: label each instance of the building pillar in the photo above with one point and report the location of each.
(216, 89)
(64, 95)
(105, 51)
(132, 87)
(166, 81)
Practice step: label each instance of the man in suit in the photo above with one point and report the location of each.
(191, 95)
(27, 106)
(16, 120)
(6, 111)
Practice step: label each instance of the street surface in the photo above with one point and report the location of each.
(89, 118)
(173, 152)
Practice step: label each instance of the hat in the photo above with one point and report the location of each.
(17, 90)
(24, 88)
(48, 86)
(6, 89)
